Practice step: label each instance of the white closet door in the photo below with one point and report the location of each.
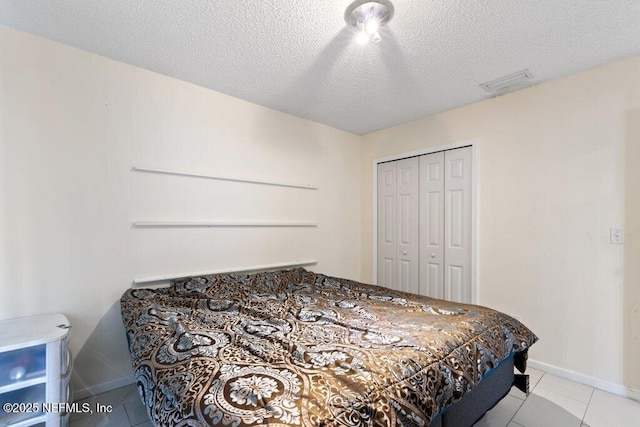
(432, 225)
(424, 224)
(458, 199)
(408, 174)
(387, 212)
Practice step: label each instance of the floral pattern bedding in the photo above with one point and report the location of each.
(297, 348)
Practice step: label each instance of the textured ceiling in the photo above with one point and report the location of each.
(300, 57)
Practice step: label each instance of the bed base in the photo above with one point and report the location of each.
(468, 410)
(521, 382)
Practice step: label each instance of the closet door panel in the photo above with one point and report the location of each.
(387, 196)
(387, 272)
(432, 225)
(408, 174)
(457, 224)
(454, 286)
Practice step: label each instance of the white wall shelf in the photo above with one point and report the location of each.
(222, 178)
(259, 267)
(221, 224)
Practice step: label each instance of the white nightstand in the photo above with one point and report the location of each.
(35, 369)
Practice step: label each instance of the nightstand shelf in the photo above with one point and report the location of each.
(22, 384)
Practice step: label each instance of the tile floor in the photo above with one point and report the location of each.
(553, 401)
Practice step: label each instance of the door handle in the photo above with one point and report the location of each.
(404, 252)
(433, 255)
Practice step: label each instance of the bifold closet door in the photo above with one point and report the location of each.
(457, 224)
(424, 224)
(387, 212)
(398, 238)
(432, 225)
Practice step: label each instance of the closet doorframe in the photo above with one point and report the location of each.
(473, 143)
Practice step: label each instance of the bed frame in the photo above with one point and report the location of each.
(484, 396)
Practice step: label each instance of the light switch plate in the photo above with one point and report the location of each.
(617, 236)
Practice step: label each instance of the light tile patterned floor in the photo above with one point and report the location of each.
(127, 410)
(553, 402)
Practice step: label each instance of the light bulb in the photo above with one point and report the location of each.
(376, 37)
(371, 26)
(362, 37)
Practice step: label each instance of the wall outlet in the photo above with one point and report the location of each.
(617, 236)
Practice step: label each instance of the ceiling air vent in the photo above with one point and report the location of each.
(508, 83)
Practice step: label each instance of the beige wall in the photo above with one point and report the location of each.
(72, 125)
(551, 183)
(632, 249)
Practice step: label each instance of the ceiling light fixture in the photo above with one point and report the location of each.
(368, 17)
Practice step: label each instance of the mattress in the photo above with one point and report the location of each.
(294, 347)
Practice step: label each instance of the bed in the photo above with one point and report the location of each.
(298, 348)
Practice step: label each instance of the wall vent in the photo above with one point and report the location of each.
(509, 82)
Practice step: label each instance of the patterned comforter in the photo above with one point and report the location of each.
(297, 348)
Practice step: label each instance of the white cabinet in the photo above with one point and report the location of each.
(35, 369)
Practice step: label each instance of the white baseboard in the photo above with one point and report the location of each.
(603, 385)
(102, 388)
